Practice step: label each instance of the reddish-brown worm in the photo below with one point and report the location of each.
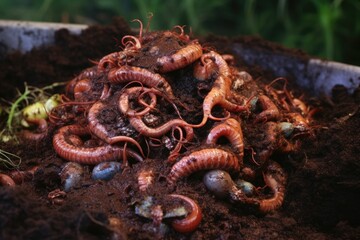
(5, 180)
(141, 127)
(221, 90)
(182, 36)
(231, 129)
(124, 101)
(83, 155)
(217, 96)
(100, 131)
(131, 43)
(111, 60)
(175, 152)
(204, 70)
(269, 110)
(145, 179)
(127, 74)
(222, 66)
(181, 58)
(86, 74)
(82, 87)
(22, 176)
(275, 178)
(192, 220)
(205, 159)
(40, 133)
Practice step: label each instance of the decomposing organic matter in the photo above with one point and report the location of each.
(127, 108)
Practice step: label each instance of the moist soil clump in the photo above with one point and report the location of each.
(322, 192)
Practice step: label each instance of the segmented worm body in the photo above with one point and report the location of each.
(230, 129)
(204, 70)
(205, 159)
(275, 178)
(145, 179)
(221, 90)
(124, 101)
(40, 133)
(22, 176)
(88, 73)
(114, 60)
(83, 155)
(222, 66)
(181, 58)
(300, 124)
(212, 63)
(5, 180)
(192, 220)
(82, 89)
(269, 111)
(218, 96)
(140, 126)
(100, 131)
(127, 74)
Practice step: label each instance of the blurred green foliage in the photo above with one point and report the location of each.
(324, 28)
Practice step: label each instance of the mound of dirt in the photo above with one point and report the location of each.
(322, 191)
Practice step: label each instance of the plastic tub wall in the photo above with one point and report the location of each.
(316, 75)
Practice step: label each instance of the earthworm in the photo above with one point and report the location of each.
(140, 30)
(22, 176)
(81, 89)
(175, 152)
(270, 142)
(269, 110)
(228, 58)
(140, 126)
(131, 45)
(86, 74)
(100, 131)
(145, 179)
(41, 131)
(5, 180)
(217, 96)
(211, 158)
(156, 214)
(275, 178)
(181, 58)
(220, 91)
(83, 155)
(192, 220)
(106, 92)
(286, 95)
(204, 70)
(301, 105)
(223, 67)
(124, 102)
(111, 60)
(231, 129)
(184, 37)
(126, 74)
(300, 124)
(75, 140)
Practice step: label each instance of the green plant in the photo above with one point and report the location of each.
(9, 160)
(13, 111)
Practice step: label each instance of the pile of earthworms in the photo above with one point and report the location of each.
(126, 108)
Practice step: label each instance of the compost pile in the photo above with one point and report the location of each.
(175, 137)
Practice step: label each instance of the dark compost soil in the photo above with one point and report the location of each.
(323, 189)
